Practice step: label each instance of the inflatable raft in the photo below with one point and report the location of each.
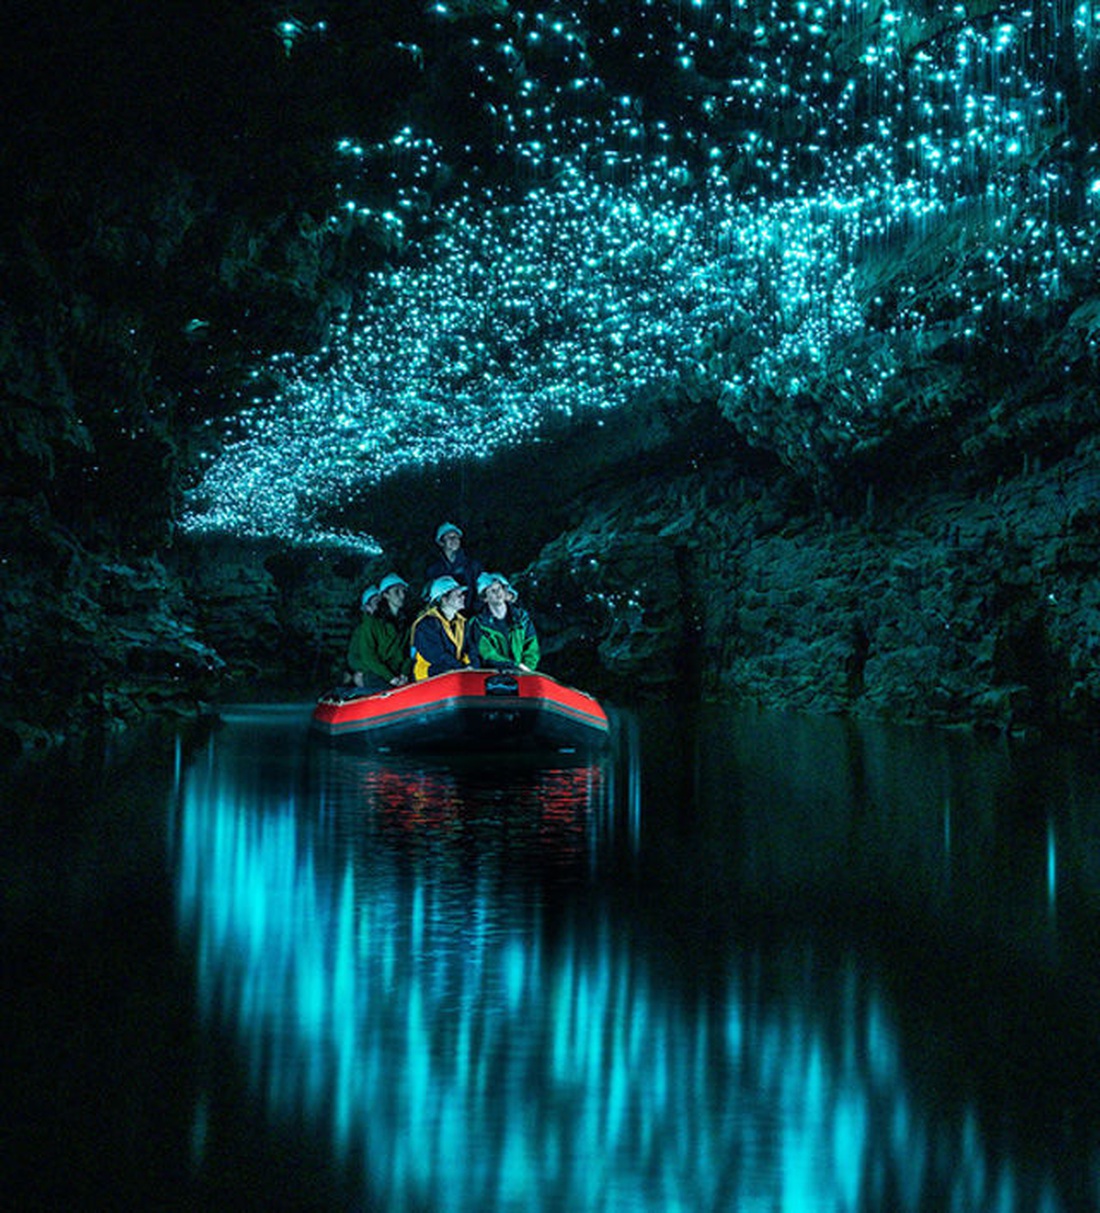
(475, 709)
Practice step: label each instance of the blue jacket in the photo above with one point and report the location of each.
(465, 569)
(438, 646)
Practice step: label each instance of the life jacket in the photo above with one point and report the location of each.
(448, 654)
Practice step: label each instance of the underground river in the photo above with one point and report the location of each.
(739, 961)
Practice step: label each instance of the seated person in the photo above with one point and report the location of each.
(453, 561)
(439, 634)
(368, 604)
(501, 635)
(377, 653)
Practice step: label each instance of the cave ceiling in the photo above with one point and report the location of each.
(293, 250)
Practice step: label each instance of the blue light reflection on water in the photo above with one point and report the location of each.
(432, 964)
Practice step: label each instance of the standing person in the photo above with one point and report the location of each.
(438, 640)
(501, 635)
(454, 561)
(377, 652)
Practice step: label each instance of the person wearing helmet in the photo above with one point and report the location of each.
(501, 635)
(369, 599)
(438, 640)
(393, 590)
(377, 653)
(454, 561)
(368, 604)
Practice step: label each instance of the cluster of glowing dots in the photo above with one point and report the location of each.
(727, 236)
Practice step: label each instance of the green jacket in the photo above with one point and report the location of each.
(378, 647)
(500, 643)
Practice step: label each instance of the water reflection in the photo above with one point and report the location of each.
(988, 834)
(443, 967)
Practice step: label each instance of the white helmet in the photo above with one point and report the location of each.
(485, 580)
(443, 585)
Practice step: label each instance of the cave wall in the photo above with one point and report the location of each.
(977, 606)
(165, 189)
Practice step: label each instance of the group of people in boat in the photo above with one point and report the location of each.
(471, 617)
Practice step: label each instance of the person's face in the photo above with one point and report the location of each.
(454, 600)
(495, 594)
(450, 543)
(395, 596)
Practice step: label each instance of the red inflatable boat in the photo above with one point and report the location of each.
(481, 709)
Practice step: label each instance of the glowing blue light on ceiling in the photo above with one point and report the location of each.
(768, 206)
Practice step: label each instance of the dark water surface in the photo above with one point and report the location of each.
(742, 962)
